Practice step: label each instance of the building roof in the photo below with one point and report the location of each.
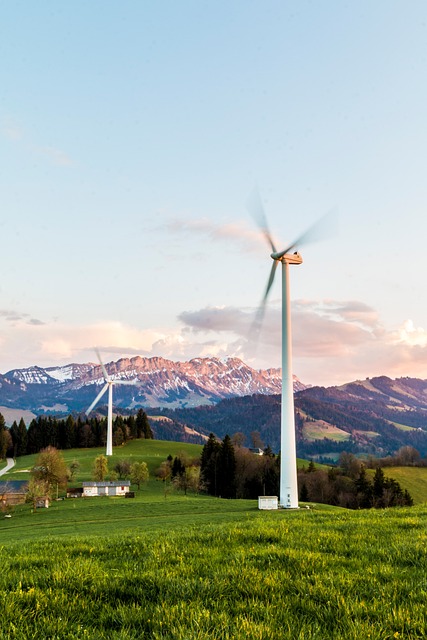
(108, 483)
(14, 486)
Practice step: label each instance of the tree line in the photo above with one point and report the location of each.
(69, 433)
(228, 470)
(349, 486)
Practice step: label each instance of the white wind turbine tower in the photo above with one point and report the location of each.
(288, 468)
(109, 383)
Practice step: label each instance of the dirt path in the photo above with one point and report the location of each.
(10, 462)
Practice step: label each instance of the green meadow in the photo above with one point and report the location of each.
(169, 566)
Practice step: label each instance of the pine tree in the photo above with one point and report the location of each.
(364, 489)
(227, 469)
(22, 437)
(131, 424)
(14, 432)
(143, 428)
(178, 467)
(209, 465)
(378, 487)
(69, 433)
(304, 493)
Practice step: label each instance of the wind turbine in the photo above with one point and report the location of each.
(288, 468)
(109, 383)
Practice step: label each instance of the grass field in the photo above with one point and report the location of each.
(208, 568)
(319, 429)
(153, 452)
(414, 479)
(166, 566)
(404, 427)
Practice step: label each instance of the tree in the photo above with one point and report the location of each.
(73, 469)
(119, 431)
(188, 480)
(238, 439)
(66, 433)
(303, 493)
(378, 486)
(209, 465)
(164, 471)
(50, 468)
(227, 469)
(19, 438)
(100, 468)
(364, 489)
(178, 467)
(38, 491)
(132, 426)
(143, 428)
(3, 440)
(408, 457)
(139, 473)
(349, 464)
(256, 440)
(123, 468)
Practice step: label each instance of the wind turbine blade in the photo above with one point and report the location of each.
(98, 397)
(131, 382)
(104, 370)
(259, 316)
(322, 228)
(256, 209)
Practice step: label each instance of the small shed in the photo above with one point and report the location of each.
(74, 492)
(106, 488)
(268, 502)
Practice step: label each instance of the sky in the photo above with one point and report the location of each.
(131, 135)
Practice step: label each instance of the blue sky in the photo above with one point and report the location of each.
(130, 137)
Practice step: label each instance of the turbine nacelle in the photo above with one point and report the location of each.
(290, 258)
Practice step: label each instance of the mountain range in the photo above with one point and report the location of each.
(188, 400)
(157, 382)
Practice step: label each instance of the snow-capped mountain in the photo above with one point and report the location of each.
(157, 382)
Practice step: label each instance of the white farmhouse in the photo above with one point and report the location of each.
(106, 488)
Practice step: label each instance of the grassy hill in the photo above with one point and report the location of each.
(153, 452)
(206, 568)
(414, 479)
(165, 566)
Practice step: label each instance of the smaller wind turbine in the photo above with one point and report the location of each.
(109, 383)
(288, 469)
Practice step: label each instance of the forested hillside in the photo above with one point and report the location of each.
(374, 417)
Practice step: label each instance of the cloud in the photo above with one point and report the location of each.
(11, 130)
(58, 157)
(14, 132)
(408, 334)
(236, 233)
(333, 341)
(15, 317)
(217, 319)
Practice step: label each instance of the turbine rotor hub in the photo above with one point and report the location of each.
(290, 258)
